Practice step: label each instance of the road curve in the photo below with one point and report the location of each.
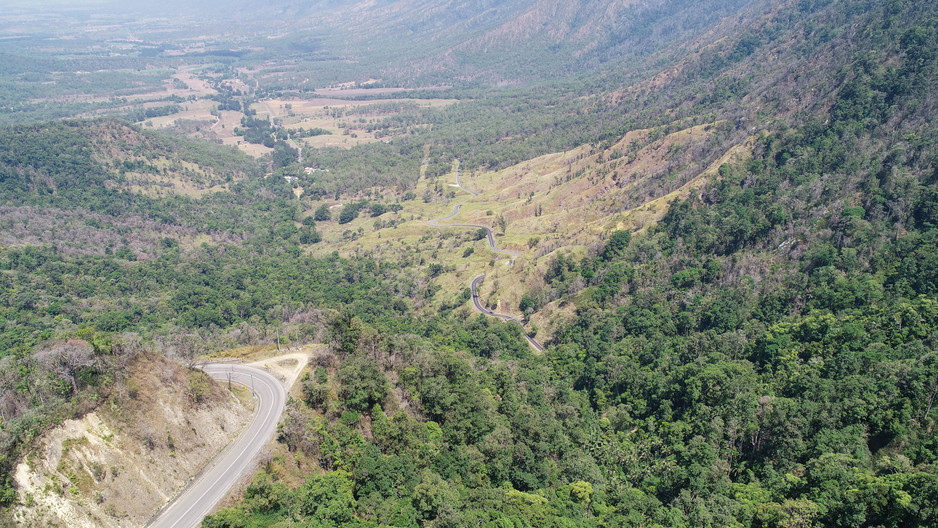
(476, 281)
(488, 231)
(458, 184)
(211, 485)
(504, 317)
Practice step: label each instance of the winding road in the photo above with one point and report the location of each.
(211, 485)
(458, 184)
(474, 286)
(504, 317)
(488, 231)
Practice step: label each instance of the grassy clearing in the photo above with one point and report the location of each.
(326, 113)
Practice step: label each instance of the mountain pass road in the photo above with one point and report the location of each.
(504, 317)
(211, 485)
(478, 280)
(488, 231)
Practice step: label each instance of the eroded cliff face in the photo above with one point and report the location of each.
(119, 465)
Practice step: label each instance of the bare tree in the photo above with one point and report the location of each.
(188, 347)
(122, 355)
(67, 359)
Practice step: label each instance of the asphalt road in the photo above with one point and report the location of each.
(504, 317)
(488, 231)
(211, 485)
(476, 281)
(458, 184)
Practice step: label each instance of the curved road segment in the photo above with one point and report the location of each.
(504, 317)
(211, 485)
(488, 231)
(476, 281)
(458, 184)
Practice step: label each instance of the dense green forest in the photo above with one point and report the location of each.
(764, 356)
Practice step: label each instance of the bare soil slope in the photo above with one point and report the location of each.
(117, 466)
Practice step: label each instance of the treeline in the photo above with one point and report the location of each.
(147, 113)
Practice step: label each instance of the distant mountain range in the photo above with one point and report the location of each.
(489, 40)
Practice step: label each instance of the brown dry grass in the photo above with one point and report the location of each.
(316, 112)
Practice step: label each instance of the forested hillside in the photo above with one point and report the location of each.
(764, 355)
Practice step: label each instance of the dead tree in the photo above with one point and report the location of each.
(66, 360)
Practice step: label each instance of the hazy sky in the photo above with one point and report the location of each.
(54, 3)
(38, 5)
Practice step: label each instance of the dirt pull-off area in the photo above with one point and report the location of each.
(286, 367)
(118, 465)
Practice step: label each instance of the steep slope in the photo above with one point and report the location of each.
(730, 253)
(558, 203)
(769, 314)
(117, 465)
(136, 429)
(524, 41)
(743, 296)
(519, 41)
